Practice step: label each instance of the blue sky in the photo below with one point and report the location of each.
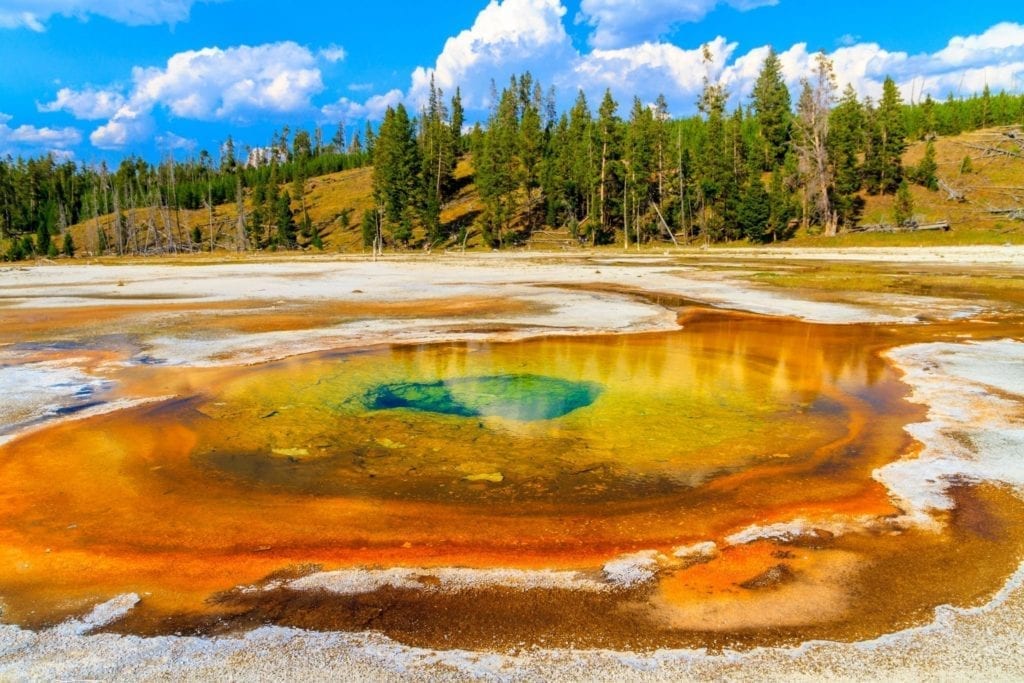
(102, 78)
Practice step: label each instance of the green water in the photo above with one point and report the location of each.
(522, 397)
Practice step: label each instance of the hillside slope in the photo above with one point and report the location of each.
(978, 203)
(335, 203)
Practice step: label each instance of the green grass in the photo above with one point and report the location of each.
(844, 277)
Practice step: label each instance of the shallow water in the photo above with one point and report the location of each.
(558, 453)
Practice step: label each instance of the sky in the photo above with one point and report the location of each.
(101, 79)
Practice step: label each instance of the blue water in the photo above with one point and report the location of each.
(515, 397)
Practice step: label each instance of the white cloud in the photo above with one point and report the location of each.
(211, 84)
(26, 138)
(89, 104)
(623, 23)
(172, 141)
(232, 83)
(33, 14)
(994, 57)
(333, 54)
(511, 37)
(650, 69)
(507, 37)
(372, 109)
(127, 126)
(1003, 42)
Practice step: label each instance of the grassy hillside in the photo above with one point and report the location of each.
(996, 182)
(336, 202)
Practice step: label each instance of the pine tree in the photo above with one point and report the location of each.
(227, 158)
(315, 240)
(458, 120)
(929, 123)
(772, 105)
(397, 180)
(953, 123)
(736, 180)
(661, 148)
(368, 227)
(608, 141)
(401, 232)
(755, 211)
(338, 141)
(782, 207)
(284, 220)
(903, 207)
(580, 155)
(985, 111)
(437, 161)
(845, 143)
(43, 237)
(370, 141)
(926, 173)
(716, 170)
(497, 169)
(302, 146)
(306, 226)
(531, 152)
(640, 163)
(887, 140)
(68, 248)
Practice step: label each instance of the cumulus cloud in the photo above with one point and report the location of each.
(212, 84)
(965, 66)
(515, 36)
(372, 109)
(232, 83)
(88, 104)
(26, 138)
(507, 37)
(623, 23)
(127, 126)
(33, 14)
(650, 69)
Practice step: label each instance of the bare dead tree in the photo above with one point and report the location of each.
(952, 193)
(813, 109)
(241, 239)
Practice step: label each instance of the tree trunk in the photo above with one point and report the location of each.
(601, 214)
(241, 240)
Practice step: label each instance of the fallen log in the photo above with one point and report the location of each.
(911, 226)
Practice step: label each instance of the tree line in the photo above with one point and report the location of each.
(136, 208)
(759, 170)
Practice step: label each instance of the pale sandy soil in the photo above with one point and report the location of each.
(969, 388)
